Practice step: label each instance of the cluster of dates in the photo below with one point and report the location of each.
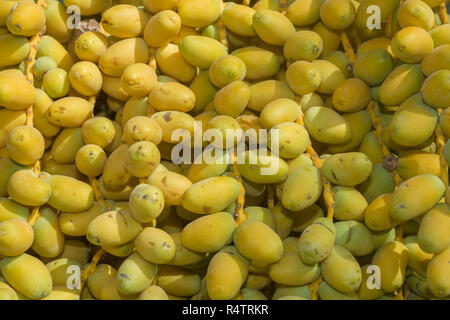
(95, 206)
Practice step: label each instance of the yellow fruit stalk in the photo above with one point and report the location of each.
(443, 12)
(386, 153)
(99, 198)
(327, 193)
(91, 267)
(239, 212)
(440, 145)
(152, 63)
(93, 180)
(378, 131)
(348, 47)
(221, 29)
(34, 42)
(239, 215)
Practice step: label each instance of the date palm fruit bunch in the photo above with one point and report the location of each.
(94, 206)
